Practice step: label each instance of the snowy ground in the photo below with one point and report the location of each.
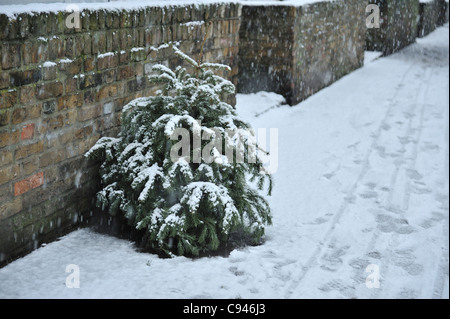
(362, 180)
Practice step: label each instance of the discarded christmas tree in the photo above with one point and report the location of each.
(193, 194)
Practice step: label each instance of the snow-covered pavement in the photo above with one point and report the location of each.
(361, 198)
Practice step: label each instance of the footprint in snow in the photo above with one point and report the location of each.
(359, 265)
(331, 260)
(253, 290)
(443, 199)
(388, 224)
(338, 285)
(404, 139)
(405, 230)
(318, 221)
(406, 293)
(374, 255)
(421, 191)
(385, 127)
(381, 151)
(329, 175)
(369, 194)
(354, 145)
(406, 260)
(371, 185)
(431, 222)
(201, 297)
(413, 174)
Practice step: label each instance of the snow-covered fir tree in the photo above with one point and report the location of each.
(193, 194)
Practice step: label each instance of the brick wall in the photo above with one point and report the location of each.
(431, 15)
(446, 14)
(398, 26)
(296, 51)
(330, 41)
(61, 89)
(266, 46)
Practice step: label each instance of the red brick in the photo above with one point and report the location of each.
(28, 183)
(27, 132)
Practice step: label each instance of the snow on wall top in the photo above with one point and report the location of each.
(13, 8)
(295, 3)
(115, 5)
